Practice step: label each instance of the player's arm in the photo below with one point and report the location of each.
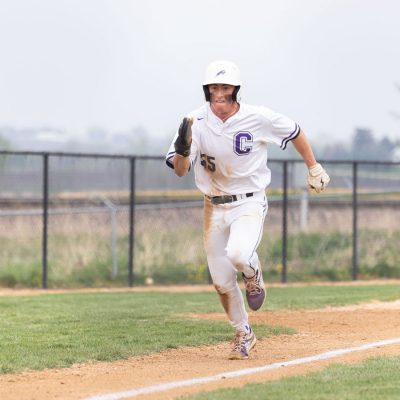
(181, 165)
(317, 178)
(303, 147)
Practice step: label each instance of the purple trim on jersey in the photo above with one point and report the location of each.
(292, 136)
(168, 160)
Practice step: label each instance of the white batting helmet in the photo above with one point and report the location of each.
(224, 72)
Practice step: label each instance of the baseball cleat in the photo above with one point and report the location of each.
(242, 344)
(255, 290)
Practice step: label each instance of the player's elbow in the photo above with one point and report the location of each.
(180, 172)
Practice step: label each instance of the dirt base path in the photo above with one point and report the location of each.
(318, 331)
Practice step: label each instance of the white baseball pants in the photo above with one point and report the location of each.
(232, 233)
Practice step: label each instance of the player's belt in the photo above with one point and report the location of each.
(228, 198)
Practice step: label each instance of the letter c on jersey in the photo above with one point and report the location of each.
(240, 143)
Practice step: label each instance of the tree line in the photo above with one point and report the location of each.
(363, 146)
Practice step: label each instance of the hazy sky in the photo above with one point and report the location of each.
(75, 64)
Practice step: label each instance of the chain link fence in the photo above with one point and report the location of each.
(101, 220)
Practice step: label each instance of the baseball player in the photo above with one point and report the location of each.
(225, 142)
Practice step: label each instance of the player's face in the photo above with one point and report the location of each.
(221, 93)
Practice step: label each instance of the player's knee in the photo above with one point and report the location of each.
(237, 258)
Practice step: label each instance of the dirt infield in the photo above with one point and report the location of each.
(317, 331)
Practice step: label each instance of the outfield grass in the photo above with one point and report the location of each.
(57, 330)
(373, 379)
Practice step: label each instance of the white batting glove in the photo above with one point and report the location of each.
(317, 178)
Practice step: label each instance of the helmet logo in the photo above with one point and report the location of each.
(222, 72)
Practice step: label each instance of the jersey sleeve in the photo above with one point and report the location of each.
(279, 128)
(171, 152)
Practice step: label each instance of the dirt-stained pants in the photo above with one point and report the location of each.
(232, 233)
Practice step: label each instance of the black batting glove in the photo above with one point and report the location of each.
(184, 140)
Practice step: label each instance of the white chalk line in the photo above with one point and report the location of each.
(234, 374)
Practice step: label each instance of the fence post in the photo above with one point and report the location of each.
(354, 272)
(284, 222)
(304, 209)
(114, 251)
(45, 218)
(131, 222)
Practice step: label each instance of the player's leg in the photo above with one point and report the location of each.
(247, 222)
(223, 273)
(225, 282)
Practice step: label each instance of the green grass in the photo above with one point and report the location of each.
(373, 379)
(57, 330)
(322, 296)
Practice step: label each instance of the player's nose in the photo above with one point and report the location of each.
(219, 94)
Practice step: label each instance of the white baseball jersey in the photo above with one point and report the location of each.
(231, 157)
